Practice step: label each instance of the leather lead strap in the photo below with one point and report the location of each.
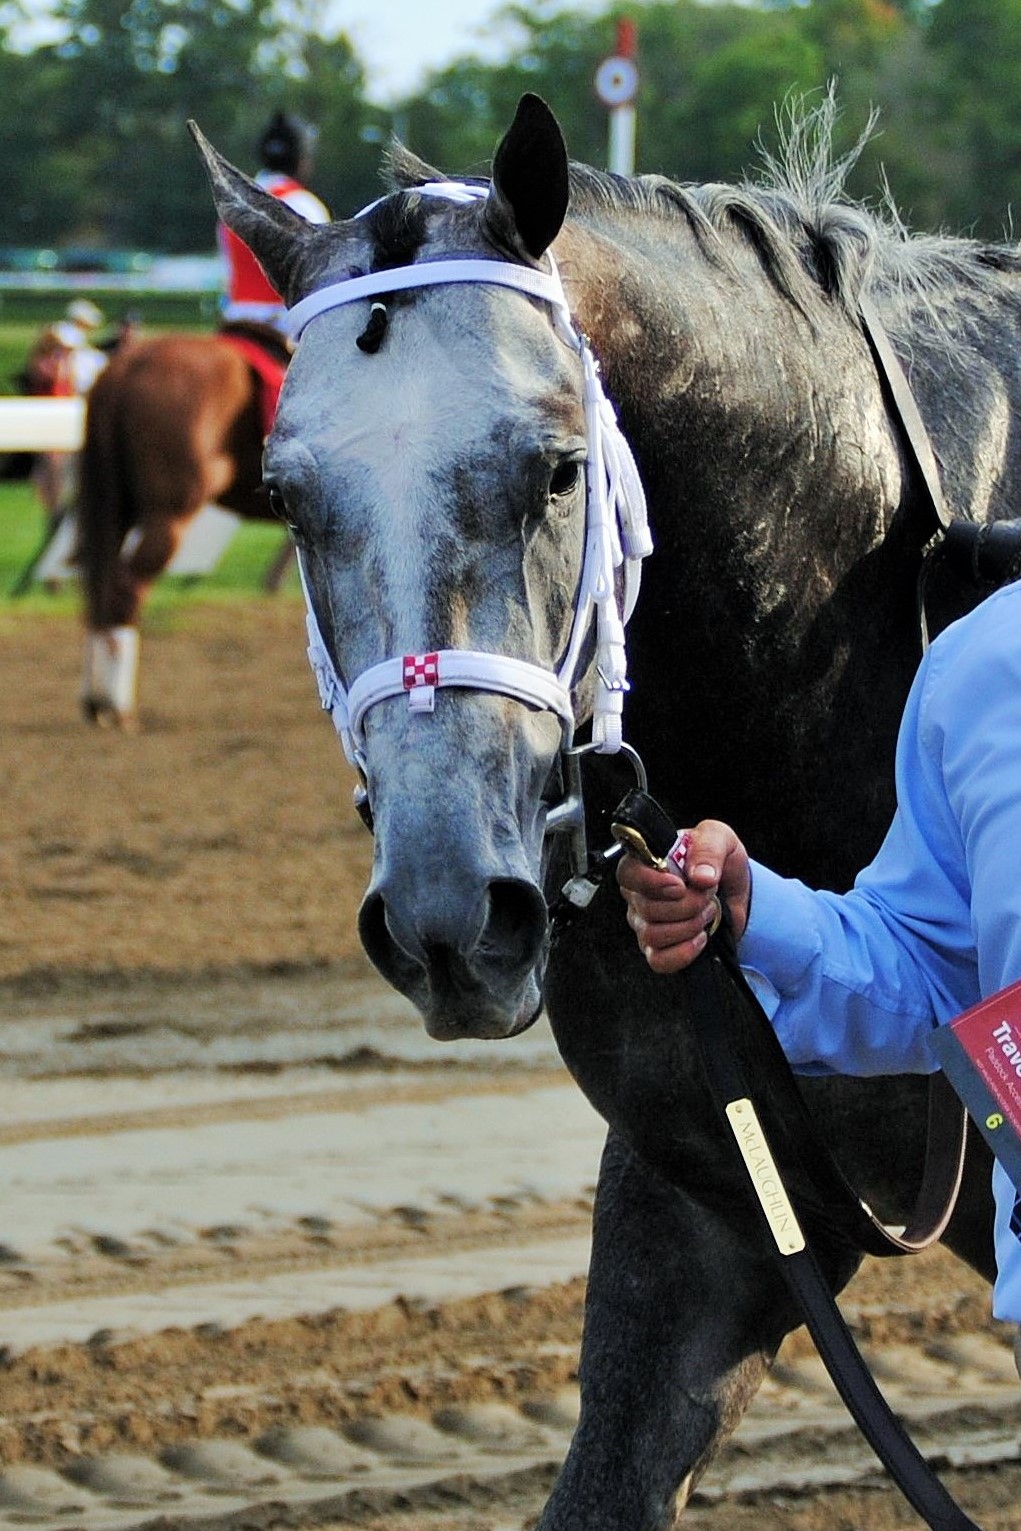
(728, 1024)
(709, 1011)
(946, 1143)
(804, 1149)
(905, 410)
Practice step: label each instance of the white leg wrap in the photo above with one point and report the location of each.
(110, 677)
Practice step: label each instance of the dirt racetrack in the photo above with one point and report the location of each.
(268, 1256)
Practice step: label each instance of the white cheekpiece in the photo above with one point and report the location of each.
(616, 533)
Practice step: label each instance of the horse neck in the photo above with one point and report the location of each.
(764, 628)
(759, 433)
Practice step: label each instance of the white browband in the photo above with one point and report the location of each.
(538, 284)
(616, 533)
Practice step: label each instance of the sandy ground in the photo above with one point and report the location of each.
(268, 1256)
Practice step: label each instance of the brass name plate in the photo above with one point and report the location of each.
(783, 1223)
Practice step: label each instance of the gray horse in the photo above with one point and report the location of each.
(429, 457)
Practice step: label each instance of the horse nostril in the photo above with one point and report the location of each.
(506, 931)
(516, 921)
(373, 927)
(471, 964)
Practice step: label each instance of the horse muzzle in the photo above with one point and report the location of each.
(467, 951)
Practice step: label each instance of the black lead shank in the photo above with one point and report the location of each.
(704, 1001)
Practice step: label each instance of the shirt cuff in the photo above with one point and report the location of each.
(781, 939)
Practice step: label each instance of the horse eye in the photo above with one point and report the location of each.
(564, 479)
(278, 505)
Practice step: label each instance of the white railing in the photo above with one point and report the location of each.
(58, 425)
(41, 425)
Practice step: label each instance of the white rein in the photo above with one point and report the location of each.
(616, 533)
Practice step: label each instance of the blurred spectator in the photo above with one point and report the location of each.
(64, 362)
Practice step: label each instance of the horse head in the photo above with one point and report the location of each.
(429, 456)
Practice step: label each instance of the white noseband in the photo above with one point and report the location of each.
(616, 533)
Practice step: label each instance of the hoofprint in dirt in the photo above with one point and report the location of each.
(353, 1295)
(269, 1256)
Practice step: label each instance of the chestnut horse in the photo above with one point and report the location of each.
(173, 424)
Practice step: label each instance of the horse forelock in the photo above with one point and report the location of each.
(398, 229)
(402, 169)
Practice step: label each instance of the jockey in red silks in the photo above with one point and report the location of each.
(285, 153)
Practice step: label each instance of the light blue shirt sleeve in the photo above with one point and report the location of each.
(855, 982)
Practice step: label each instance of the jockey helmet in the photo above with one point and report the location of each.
(287, 143)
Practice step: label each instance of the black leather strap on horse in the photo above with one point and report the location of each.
(797, 1262)
(901, 402)
(807, 1154)
(716, 1000)
(984, 552)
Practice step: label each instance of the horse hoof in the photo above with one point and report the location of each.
(102, 714)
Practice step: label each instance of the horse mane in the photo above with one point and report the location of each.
(812, 239)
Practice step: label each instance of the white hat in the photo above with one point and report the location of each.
(68, 335)
(82, 312)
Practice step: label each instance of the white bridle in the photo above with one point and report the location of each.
(616, 533)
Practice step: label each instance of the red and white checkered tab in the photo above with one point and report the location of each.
(677, 855)
(421, 676)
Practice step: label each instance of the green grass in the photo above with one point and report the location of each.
(36, 306)
(24, 313)
(239, 576)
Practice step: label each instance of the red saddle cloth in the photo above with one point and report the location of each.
(267, 359)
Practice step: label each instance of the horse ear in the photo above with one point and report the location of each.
(528, 199)
(276, 235)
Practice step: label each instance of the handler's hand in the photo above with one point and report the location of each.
(669, 915)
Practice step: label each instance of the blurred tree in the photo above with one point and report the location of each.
(40, 169)
(329, 91)
(714, 73)
(124, 81)
(852, 33)
(93, 142)
(977, 45)
(456, 120)
(712, 80)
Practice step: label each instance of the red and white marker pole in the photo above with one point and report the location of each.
(617, 86)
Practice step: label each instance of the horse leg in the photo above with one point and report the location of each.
(110, 674)
(683, 1317)
(51, 480)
